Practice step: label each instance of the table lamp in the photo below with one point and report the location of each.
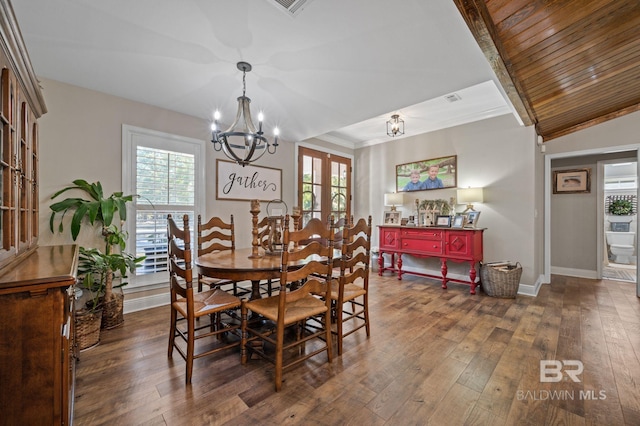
(393, 199)
(469, 196)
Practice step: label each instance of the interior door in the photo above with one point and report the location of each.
(324, 185)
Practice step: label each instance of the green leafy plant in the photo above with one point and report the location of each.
(97, 209)
(621, 207)
(97, 269)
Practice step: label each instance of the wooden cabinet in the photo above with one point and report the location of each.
(36, 338)
(36, 298)
(458, 245)
(21, 104)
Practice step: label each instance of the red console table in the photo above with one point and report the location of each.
(458, 245)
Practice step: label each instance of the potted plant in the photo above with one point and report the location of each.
(621, 214)
(621, 207)
(98, 270)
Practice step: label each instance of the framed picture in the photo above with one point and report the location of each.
(443, 220)
(472, 219)
(234, 182)
(435, 173)
(392, 217)
(459, 221)
(577, 181)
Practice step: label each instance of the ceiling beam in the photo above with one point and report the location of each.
(475, 14)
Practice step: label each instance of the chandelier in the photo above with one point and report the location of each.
(395, 126)
(241, 142)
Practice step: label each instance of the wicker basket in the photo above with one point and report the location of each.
(502, 281)
(87, 328)
(112, 312)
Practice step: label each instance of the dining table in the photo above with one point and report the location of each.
(240, 265)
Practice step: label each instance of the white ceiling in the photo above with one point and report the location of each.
(336, 71)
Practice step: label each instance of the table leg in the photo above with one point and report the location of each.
(255, 290)
(472, 276)
(381, 263)
(399, 266)
(443, 270)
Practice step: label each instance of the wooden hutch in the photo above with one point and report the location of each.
(36, 283)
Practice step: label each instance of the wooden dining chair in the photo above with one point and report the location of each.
(263, 242)
(216, 235)
(294, 307)
(350, 292)
(187, 305)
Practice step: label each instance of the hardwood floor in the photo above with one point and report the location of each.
(441, 357)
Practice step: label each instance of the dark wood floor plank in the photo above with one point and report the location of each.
(435, 356)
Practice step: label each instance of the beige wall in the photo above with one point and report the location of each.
(80, 137)
(497, 154)
(573, 219)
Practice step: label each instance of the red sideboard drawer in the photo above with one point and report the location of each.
(424, 234)
(422, 246)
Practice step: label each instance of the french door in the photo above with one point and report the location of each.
(324, 185)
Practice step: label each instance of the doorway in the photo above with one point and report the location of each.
(619, 189)
(324, 185)
(629, 150)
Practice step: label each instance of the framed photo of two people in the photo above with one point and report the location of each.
(435, 173)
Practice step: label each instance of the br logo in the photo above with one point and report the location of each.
(553, 370)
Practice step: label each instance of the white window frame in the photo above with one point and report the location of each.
(133, 136)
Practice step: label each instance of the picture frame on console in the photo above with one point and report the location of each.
(392, 217)
(472, 219)
(459, 221)
(444, 221)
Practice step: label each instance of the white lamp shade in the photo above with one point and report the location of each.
(470, 195)
(393, 199)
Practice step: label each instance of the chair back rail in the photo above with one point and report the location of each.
(311, 264)
(187, 305)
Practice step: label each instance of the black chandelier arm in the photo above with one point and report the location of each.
(251, 143)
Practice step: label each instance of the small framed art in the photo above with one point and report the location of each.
(577, 181)
(443, 221)
(472, 219)
(458, 221)
(392, 217)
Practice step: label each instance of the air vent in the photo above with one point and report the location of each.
(454, 97)
(290, 7)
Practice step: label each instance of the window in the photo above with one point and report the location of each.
(324, 185)
(163, 171)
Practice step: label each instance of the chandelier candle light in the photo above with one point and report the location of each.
(241, 141)
(395, 126)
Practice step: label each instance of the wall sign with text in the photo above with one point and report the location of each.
(234, 182)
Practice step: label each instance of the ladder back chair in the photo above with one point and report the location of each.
(215, 235)
(263, 242)
(294, 307)
(187, 305)
(350, 292)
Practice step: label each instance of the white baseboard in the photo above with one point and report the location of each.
(147, 302)
(571, 272)
(531, 290)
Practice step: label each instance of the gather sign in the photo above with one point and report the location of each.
(235, 182)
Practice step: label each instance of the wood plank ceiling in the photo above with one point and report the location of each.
(565, 64)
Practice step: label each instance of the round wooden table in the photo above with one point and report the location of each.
(236, 265)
